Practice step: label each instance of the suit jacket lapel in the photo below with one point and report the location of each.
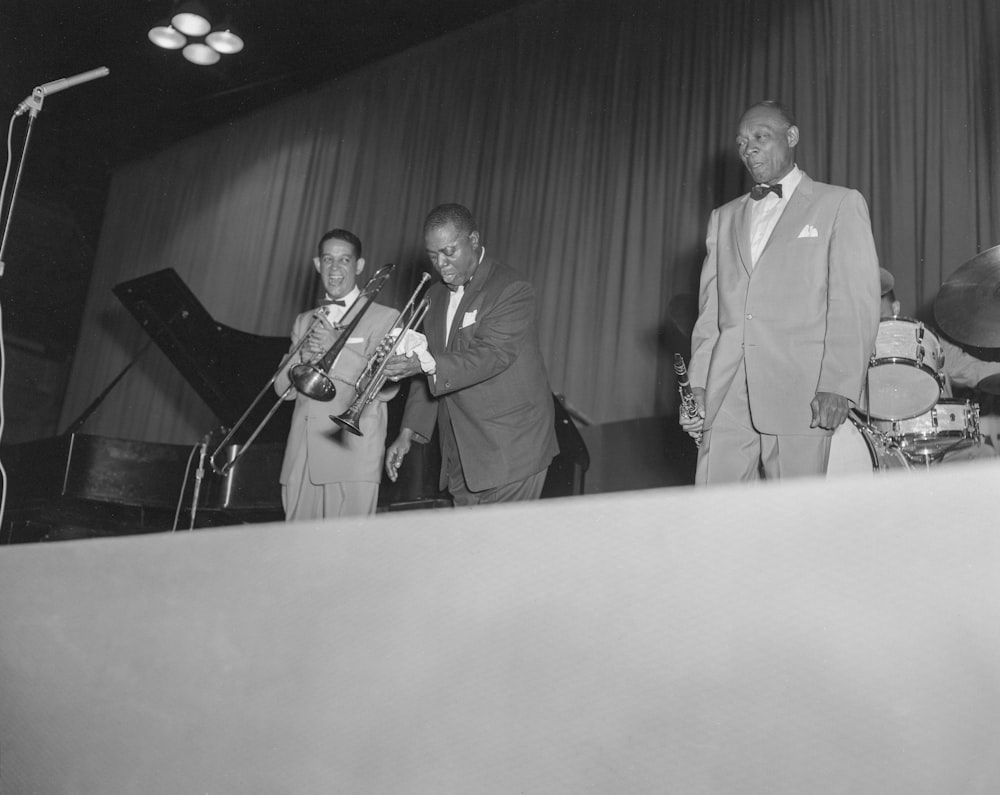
(743, 234)
(794, 216)
(472, 289)
(437, 316)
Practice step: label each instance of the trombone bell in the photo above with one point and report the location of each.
(313, 382)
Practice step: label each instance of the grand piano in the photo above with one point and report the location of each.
(79, 485)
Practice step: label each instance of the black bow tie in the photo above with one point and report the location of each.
(758, 192)
(337, 301)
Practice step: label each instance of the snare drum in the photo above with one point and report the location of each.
(855, 448)
(950, 424)
(903, 376)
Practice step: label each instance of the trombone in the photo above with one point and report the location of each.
(372, 378)
(308, 379)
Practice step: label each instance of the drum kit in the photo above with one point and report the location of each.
(903, 421)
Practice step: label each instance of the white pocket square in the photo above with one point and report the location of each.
(469, 318)
(809, 231)
(355, 340)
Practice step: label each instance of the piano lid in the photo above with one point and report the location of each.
(226, 367)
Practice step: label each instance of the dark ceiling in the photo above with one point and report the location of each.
(152, 98)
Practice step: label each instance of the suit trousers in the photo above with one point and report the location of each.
(734, 451)
(308, 500)
(529, 488)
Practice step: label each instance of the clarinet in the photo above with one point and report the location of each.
(688, 405)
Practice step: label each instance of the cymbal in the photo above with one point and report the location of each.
(990, 384)
(967, 307)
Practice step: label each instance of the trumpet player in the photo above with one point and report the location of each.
(480, 375)
(326, 472)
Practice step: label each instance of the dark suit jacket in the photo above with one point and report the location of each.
(804, 318)
(490, 381)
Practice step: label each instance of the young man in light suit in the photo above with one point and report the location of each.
(486, 388)
(788, 313)
(328, 472)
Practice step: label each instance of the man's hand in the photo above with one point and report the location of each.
(695, 425)
(320, 340)
(396, 452)
(829, 410)
(399, 366)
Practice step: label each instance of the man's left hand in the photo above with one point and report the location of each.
(400, 366)
(829, 410)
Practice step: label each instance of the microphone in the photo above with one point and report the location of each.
(54, 86)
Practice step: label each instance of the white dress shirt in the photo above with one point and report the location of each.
(455, 299)
(335, 313)
(764, 213)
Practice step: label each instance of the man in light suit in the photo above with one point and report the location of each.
(788, 313)
(328, 472)
(486, 387)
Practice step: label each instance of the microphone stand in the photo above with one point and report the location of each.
(198, 476)
(34, 106)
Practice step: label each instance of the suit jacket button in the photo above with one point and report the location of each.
(749, 317)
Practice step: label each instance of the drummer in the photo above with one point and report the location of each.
(960, 369)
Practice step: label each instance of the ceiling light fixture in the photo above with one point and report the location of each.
(191, 18)
(201, 54)
(190, 31)
(226, 41)
(167, 36)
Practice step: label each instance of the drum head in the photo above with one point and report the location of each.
(898, 391)
(853, 451)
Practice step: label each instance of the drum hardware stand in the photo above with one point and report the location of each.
(868, 392)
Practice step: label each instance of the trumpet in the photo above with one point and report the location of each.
(372, 378)
(309, 379)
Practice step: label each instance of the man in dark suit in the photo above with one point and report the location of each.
(788, 312)
(485, 383)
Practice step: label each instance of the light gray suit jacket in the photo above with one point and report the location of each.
(336, 455)
(804, 318)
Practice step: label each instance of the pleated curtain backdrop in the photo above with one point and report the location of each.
(591, 140)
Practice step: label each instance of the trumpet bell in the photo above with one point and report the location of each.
(349, 421)
(312, 382)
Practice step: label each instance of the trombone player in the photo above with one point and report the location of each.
(327, 472)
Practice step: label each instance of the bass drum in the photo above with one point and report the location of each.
(855, 448)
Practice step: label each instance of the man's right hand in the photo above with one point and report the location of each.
(321, 338)
(695, 425)
(396, 452)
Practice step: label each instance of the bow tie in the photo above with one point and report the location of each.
(758, 192)
(337, 302)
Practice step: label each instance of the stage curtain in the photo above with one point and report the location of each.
(591, 139)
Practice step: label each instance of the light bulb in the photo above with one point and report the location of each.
(201, 54)
(167, 37)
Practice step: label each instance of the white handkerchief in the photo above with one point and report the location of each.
(809, 231)
(355, 340)
(415, 343)
(412, 342)
(469, 318)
